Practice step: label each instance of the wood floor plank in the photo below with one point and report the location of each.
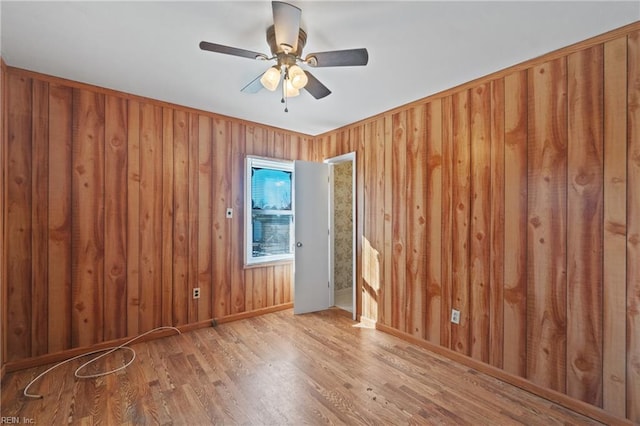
(320, 368)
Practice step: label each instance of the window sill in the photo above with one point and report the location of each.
(269, 264)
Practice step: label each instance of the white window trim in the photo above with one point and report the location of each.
(270, 163)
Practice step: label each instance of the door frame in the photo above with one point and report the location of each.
(349, 157)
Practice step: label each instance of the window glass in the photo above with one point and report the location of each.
(269, 208)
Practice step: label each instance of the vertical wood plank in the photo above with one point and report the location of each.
(359, 141)
(181, 295)
(386, 301)
(258, 288)
(150, 216)
(375, 224)
(238, 147)
(370, 257)
(115, 249)
(633, 228)
(204, 218)
(279, 146)
(546, 239)
(39, 218)
(434, 209)
(447, 221)
(271, 143)
(615, 228)
(515, 224)
(133, 218)
(278, 283)
(416, 220)
(267, 299)
(167, 216)
(88, 217)
(291, 147)
(497, 255)
(399, 221)
(319, 146)
(480, 223)
(584, 225)
(349, 144)
(330, 146)
(338, 148)
(460, 215)
(288, 283)
(221, 174)
(307, 149)
(316, 150)
(296, 147)
(193, 215)
(59, 258)
(18, 217)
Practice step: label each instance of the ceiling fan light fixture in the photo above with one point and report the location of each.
(289, 90)
(297, 77)
(271, 78)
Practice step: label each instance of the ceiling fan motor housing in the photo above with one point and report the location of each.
(276, 50)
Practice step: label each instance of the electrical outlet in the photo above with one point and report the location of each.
(455, 316)
(229, 213)
(196, 293)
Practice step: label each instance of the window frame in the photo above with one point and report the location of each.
(252, 162)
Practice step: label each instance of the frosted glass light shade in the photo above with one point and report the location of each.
(298, 77)
(289, 90)
(270, 78)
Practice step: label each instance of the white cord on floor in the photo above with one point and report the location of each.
(106, 351)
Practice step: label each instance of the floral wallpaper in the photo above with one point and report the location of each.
(343, 202)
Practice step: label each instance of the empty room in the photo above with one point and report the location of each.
(320, 212)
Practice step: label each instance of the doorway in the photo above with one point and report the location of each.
(342, 244)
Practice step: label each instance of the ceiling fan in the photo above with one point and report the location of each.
(286, 40)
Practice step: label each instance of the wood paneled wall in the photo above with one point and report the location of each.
(115, 210)
(514, 199)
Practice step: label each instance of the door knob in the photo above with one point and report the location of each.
(298, 244)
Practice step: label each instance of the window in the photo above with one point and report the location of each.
(268, 210)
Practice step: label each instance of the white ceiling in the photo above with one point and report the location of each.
(415, 49)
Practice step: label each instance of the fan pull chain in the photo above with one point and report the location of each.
(285, 99)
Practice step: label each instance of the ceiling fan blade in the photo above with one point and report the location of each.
(338, 58)
(286, 21)
(218, 48)
(317, 89)
(254, 87)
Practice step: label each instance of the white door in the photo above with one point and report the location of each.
(311, 270)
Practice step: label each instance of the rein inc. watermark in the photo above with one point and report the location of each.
(15, 420)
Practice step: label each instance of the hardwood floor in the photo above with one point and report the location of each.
(278, 369)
